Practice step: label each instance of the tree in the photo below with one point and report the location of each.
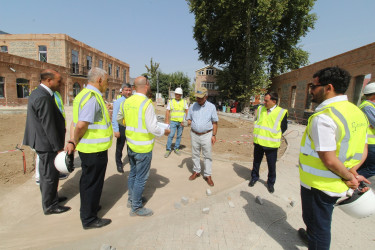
(152, 72)
(252, 40)
(171, 82)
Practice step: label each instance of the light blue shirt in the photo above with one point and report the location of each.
(370, 113)
(116, 108)
(202, 117)
(91, 112)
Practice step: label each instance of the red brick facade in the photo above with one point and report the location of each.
(293, 87)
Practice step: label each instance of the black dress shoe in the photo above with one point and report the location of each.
(120, 170)
(98, 223)
(252, 183)
(270, 188)
(57, 210)
(62, 198)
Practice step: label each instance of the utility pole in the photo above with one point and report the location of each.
(157, 87)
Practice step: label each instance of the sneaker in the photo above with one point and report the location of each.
(141, 212)
(37, 181)
(167, 153)
(177, 151)
(63, 176)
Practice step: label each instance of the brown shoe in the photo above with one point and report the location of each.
(209, 180)
(194, 175)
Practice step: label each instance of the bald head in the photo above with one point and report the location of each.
(47, 74)
(51, 78)
(142, 85)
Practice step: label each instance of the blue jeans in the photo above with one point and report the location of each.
(317, 209)
(368, 167)
(175, 126)
(139, 171)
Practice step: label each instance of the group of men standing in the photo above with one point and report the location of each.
(334, 154)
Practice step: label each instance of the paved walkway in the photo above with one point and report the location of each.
(235, 220)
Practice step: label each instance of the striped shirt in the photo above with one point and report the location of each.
(202, 117)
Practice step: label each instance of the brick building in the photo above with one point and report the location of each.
(206, 77)
(293, 87)
(24, 56)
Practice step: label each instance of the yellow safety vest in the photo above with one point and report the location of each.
(60, 104)
(118, 96)
(177, 110)
(267, 127)
(98, 136)
(137, 137)
(352, 128)
(371, 130)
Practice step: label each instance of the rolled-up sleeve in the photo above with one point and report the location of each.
(151, 122)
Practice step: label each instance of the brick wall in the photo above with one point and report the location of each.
(358, 62)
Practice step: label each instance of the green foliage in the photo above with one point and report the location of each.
(167, 81)
(252, 40)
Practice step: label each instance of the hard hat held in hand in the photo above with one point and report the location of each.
(359, 205)
(64, 163)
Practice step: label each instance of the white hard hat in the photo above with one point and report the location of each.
(178, 91)
(369, 89)
(359, 205)
(64, 163)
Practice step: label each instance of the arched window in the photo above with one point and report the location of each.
(23, 88)
(106, 94)
(76, 89)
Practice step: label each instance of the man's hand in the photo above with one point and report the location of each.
(352, 183)
(167, 132)
(117, 134)
(69, 148)
(213, 140)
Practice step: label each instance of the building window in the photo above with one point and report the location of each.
(113, 94)
(293, 97)
(279, 94)
(308, 104)
(106, 94)
(209, 85)
(75, 66)
(201, 72)
(89, 62)
(209, 71)
(4, 49)
(2, 83)
(118, 72)
(124, 75)
(22, 88)
(76, 89)
(109, 68)
(43, 53)
(100, 64)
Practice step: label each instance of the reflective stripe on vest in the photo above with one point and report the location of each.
(137, 136)
(269, 136)
(177, 110)
(371, 130)
(98, 136)
(349, 148)
(60, 104)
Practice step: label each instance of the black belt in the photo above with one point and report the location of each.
(201, 133)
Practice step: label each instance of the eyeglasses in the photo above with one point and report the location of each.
(318, 85)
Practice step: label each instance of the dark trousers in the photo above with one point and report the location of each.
(317, 209)
(91, 183)
(271, 155)
(49, 179)
(368, 167)
(120, 142)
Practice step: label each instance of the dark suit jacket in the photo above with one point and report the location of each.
(45, 125)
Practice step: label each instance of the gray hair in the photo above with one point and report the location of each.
(96, 73)
(126, 85)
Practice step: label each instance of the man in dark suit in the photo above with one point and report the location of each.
(45, 132)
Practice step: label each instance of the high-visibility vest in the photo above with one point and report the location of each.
(177, 110)
(371, 130)
(98, 136)
(267, 127)
(137, 137)
(118, 96)
(352, 128)
(60, 104)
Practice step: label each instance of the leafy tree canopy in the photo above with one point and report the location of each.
(252, 40)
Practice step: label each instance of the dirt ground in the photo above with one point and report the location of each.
(234, 143)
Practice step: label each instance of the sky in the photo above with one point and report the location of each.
(135, 31)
